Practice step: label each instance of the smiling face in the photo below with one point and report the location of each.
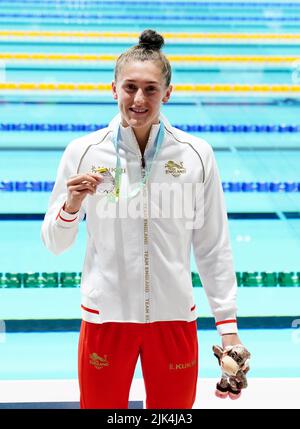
(140, 90)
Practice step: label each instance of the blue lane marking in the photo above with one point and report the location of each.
(47, 186)
(286, 102)
(158, 3)
(151, 17)
(206, 128)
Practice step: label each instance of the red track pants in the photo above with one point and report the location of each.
(108, 355)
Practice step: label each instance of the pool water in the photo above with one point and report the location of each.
(250, 42)
(29, 356)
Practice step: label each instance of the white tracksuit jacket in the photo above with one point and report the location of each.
(137, 266)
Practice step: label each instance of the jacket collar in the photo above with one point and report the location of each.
(128, 139)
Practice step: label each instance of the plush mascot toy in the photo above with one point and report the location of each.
(234, 362)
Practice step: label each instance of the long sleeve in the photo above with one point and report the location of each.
(59, 228)
(212, 250)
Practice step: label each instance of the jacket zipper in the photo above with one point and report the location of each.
(145, 241)
(146, 250)
(143, 166)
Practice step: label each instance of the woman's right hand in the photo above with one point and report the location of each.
(79, 187)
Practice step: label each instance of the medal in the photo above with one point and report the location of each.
(111, 185)
(107, 184)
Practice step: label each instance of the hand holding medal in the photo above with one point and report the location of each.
(79, 187)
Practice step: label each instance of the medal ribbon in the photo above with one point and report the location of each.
(152, 156)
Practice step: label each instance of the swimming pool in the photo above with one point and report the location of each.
(54, 355)
(236, 70)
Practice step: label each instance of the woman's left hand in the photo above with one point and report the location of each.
(230, 340)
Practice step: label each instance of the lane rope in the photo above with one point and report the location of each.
(181, 88)
(73, 279)
(204, 128)
(89, 17)
(158, 3)
(262, 187)
(173, 58)
(132, 36)
(154, 2)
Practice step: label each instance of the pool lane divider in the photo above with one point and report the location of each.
(21, 56)
(197, 128)
(182, 88)
(245, 101)
(73, 279)
(245, 187)
(102, 18)
(138, 3)
(170, 37)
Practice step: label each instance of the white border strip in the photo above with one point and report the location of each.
(262, 393)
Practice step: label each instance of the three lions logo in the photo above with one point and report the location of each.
(97, 361)
(174, 168)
